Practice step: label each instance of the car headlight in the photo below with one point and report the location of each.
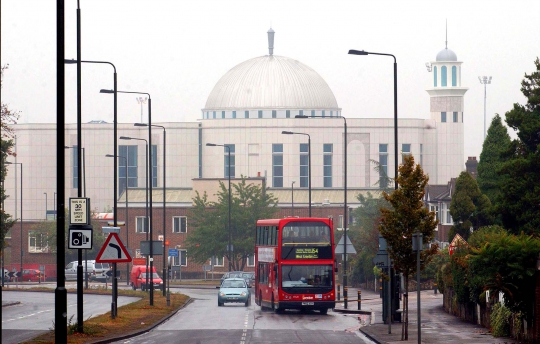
(243, 293)
(221, 293)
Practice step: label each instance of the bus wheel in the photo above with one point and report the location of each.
(324, 311)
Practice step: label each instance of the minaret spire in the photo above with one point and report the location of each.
(446, 41)
(271, 42)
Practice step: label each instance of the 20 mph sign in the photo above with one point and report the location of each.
(79, 211)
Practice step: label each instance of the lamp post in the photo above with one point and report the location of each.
(45, 205)
(54, 205)
(146, 222)
(151, 224)
(292, 198)
(21, 218)
(83, 170)
(229, 248)
(345, 208)
(115, 185)
(127, 222)
(485, 80)
(362, 53)
(165, 275)
(309, 163)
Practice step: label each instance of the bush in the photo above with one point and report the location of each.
(500, 321)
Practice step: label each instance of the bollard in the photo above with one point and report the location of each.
(338, 291)
(359, 299)
(380, 288)
(435, 288)
(345, 299)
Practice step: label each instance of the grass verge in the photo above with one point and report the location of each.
(131, 318)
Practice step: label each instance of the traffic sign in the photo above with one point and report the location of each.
(14, 274)
(173, 252)
(340, 248)
(80, 237)
(113, 251)
(382, 260)
(79, 211)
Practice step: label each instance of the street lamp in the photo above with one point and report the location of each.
(83, 170)
(127, 222)
(45, 205)
(151, 182)
(292, 198)
(309, 163)
(345, 208)
(146, 222)
(229, 248)
(362, 53)
(485, 80)
(165, 275)
(141, 101)
(114, 307)
(19, 163)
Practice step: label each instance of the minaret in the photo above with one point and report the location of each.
(271, 42)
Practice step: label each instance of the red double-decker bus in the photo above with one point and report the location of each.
(294, 264)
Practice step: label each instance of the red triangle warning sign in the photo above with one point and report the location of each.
(113, 251)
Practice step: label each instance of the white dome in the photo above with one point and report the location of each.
(446, 55)
(271, 82)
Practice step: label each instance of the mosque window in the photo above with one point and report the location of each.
(435, 76)
(455, 117)
(327, 168)
(443, 76)
(222, 114)
(304, 165)
(288, 113)
(131, 153)
(246, 114)
(323, 113)
(301, 112)
(260, 114)
(383, 164)
(234, 114)
(331, 113)
(454, 76)
(274, 113)
(230, 163)
(213, 114)
(443, 117)
(277, 165)
(405, 151)
(207, 115)
(312, 113)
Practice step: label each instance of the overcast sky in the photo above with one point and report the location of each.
(178, 50)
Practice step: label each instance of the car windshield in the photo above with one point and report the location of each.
(248, 275)
(154, 275)
(235, 274)
(233, 284)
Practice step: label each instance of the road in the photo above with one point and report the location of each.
(203, 321)
(35, 312)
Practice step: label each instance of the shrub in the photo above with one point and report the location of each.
(500, 321)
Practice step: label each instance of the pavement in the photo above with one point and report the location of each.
(437, 326)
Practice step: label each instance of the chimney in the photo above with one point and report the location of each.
(472, 166)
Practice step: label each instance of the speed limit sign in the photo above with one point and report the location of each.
(79, 211)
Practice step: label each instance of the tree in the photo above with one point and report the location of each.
(7, 118)
(520, 173)
(470, 209)
(496, 142)
(47, 231)
(249, 202)
(408, 216)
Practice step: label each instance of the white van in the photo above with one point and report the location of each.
(71, 269)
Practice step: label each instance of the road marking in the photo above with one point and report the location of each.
(244, 331)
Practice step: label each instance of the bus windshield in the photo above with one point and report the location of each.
(302, 276)
(306, 233)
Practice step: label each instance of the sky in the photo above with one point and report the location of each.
(178, 50)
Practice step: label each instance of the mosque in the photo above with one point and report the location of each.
(247, 111)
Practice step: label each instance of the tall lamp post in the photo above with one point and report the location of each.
(83, 169)
(292, 198)
(114, 307)
(45, 205)
(165, 275)
(21, 218)
(229, 248)
(147, 207)
(362, 53)
(485, 80)
(151, 182)
(309, 163)
(345, 208)
(126, 216)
